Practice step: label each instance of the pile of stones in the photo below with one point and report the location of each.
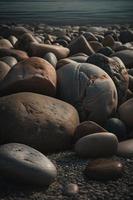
(65, 88)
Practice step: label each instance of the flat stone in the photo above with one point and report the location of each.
(24, 164)
(104, 169)
(41, 49)
(125, 148)
(103, 144)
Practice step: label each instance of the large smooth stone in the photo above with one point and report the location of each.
(24, 164)
(103, 144)
(4, 69)
(126, 56)
(116, 126)
(116, 70)
(104, 169)
(126, 112)
(18, 54)
(41, 49)
(80, 44)
(125, 148)
(31, 75)
(87, 128)
(42, 122)
(4, 43)
(13, 39)
(11, 61)
(89, 89)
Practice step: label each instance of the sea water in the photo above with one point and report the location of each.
(67, 11)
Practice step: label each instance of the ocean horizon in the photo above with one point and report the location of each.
(67, 11)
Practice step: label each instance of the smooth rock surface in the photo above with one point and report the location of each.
(126, 112)
(125, 148)
(31, 75)
(87, 128)
(26, 165)
(103, 144)
(42, 122)
(116, 126)
(104, 169)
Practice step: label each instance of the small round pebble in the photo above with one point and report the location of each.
(71, 189)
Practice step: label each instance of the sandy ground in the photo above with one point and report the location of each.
(70, 170)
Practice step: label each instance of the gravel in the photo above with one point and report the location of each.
(70, 170)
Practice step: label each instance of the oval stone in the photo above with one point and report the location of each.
(4, 69)
(89, 89)
(42, 122)
(116, 126)
(24, 164)
(103, 144)
(104, 169)
(31, 75)
(125, 148)
(126, 112)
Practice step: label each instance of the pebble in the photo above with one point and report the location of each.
(104, 169)
(26, 165)
(71, 189)
(116, 126)
(126, 112)
(103, 144)
(125, 148)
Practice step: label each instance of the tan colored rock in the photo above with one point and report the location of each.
(42, 122)
(41, 49)
(31, 75)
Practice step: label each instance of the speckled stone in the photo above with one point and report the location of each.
(24, 164)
